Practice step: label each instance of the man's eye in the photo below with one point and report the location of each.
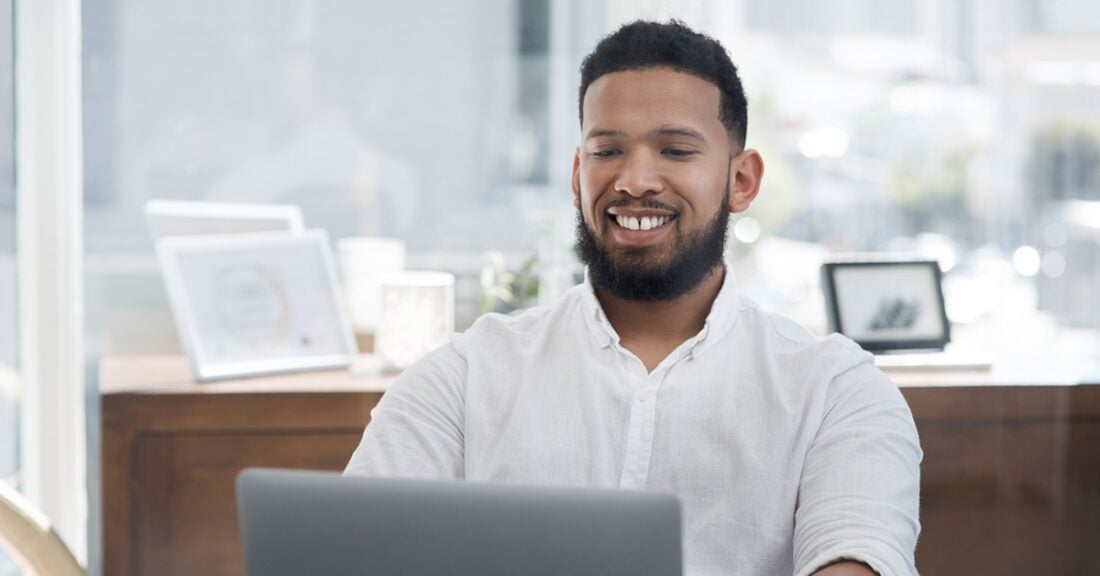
(605, 153)
(679, 152)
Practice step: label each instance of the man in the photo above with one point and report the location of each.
(791, 454)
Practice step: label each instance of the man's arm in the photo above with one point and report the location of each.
(416, 431)
(859, 490)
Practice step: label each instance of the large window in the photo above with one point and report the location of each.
(426, 121)
(953, 129)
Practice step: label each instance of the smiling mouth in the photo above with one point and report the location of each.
(641, 223)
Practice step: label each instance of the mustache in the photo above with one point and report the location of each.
(643, 203)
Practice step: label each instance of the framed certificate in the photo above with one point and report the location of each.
(184, 218)
(260, 303)
(887, 305)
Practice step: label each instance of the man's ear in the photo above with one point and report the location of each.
(577, 178)
(746, 172)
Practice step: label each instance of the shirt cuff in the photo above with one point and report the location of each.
(879, 556)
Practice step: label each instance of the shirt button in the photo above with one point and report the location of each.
(643, 397)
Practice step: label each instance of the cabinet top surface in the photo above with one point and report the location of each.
(173, 375)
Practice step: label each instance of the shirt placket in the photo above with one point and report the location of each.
(639, 438)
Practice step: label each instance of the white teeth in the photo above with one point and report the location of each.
(644, 223)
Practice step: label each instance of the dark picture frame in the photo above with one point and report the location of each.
(887, 305)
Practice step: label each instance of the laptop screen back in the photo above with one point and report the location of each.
(295, 523)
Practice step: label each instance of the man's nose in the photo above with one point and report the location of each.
(639, 175)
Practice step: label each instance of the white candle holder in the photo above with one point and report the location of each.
(416, 314)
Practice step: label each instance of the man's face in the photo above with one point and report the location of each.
(652, 181)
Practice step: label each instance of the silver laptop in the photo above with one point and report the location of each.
(298, 523)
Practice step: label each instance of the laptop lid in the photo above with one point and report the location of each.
(295, 522)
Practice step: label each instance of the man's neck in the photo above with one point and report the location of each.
(652, 330)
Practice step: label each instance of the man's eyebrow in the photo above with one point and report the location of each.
(680, 131)
(684, 131)
(604, 134)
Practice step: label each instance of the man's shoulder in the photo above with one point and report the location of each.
(831, 368)
(526, 323)
(786, 330)
(787, 338)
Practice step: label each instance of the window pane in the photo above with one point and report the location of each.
(376, 118)
(425, 121)
(886, 126)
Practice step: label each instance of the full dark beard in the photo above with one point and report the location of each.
(630, 278)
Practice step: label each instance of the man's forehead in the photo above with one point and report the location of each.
(652, 80)
(650, 99)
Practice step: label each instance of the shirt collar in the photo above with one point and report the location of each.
(598, 324)
(723, 314)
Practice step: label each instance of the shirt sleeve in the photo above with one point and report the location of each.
(859, 492)
(416, 430)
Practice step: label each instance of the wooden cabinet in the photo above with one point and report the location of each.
(1010, 479)
(1010, 483)
(172, 450)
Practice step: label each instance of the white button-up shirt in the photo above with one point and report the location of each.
(787, 451)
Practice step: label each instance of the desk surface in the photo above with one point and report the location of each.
(173, 375)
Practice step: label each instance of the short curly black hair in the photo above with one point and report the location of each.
(642, 45)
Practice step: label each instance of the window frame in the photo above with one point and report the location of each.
(49, 188)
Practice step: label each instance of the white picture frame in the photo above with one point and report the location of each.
(186, 218)
(251, 304)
